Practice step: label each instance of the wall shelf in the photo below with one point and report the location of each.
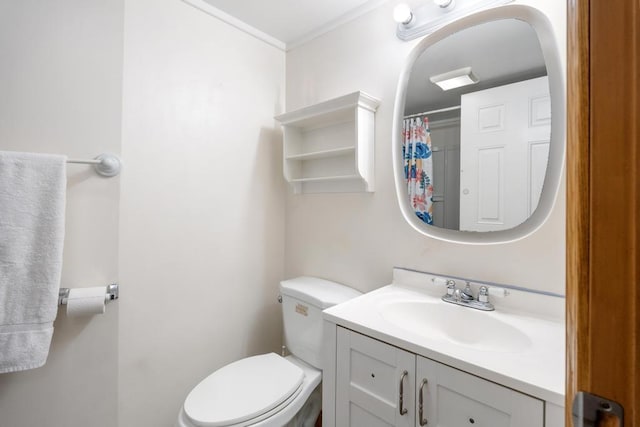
(322, 154)
(326, 178)
(329, 147)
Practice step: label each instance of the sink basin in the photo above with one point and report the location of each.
(460, 325)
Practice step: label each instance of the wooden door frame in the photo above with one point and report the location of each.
(603, 205)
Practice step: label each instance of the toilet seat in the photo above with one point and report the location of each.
(244, 392)
(281, 415)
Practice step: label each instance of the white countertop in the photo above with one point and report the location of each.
(538, 371)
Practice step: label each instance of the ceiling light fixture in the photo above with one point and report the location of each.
(455, 79)
(431, 15)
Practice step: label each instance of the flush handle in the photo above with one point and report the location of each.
(421, 419)
(401, 407)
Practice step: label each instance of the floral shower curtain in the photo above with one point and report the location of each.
(418, 166)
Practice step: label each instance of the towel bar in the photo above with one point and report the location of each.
(106, 164)
(112, 292)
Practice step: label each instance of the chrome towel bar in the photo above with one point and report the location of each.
(106, 164)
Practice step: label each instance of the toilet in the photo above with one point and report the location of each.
(269, 390)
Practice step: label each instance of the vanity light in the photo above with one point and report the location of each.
(402, 14)
(431, 15)
(455, 79)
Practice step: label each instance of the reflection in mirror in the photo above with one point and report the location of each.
(476, 153)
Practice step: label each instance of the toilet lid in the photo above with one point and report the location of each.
(243, 390)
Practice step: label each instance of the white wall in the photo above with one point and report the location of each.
(60, 86)
(357, 238)
(202, 208)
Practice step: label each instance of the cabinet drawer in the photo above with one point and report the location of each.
(368, 382)
(373, 372)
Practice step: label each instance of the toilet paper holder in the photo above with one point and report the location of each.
(112, 292)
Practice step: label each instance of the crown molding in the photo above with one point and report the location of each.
(335, 23)
(236, 23)
(279, 44)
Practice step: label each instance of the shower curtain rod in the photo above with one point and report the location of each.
(441, 110)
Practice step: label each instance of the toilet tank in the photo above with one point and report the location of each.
(303, 300)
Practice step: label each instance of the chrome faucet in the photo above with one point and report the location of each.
(465, 296)
(467, 293)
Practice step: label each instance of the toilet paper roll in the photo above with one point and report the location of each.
(86, 301)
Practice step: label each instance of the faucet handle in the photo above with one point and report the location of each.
(451, 286)
(483, 295)
(498, 292)
(440, 281)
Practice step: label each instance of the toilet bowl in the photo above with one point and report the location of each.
(269, 390)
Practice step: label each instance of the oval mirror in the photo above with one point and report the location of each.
(478, 135)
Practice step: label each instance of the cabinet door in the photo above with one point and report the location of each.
(368, 383)
(452, 398)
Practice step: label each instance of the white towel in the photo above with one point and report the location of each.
(32, 202)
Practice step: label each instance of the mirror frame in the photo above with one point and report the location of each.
(544, 31)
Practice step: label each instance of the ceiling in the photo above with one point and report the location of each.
(291, 21)
(499, 53)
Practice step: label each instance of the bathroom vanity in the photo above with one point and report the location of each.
(400, 356)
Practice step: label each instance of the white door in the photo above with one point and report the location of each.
(374, 383)
(445, 139)
(439, 186)
(446, 188)
(504, 148)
